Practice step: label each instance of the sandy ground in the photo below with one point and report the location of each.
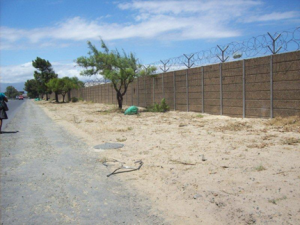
(198, 168)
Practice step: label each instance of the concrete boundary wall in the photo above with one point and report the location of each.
(262, 87)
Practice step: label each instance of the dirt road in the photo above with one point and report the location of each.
(50, 177)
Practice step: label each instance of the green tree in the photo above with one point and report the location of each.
(77, 82)
(31, 88)
(11, 92)
(148, 71)
(43, 75)
(67, 86)
(72, 83)
(63, 86)
(55, 85)
(120, 69)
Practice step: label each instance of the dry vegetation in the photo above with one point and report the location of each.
(198, 168)
(286, 124)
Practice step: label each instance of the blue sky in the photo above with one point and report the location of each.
(58, 30)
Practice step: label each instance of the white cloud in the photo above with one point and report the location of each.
(67, 69)
(171, 20)
(23, 72)
(11, 35)
(178, 7)
(275, 16)
(16, 73)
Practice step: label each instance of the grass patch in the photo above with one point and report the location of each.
(275, 201)
(269, 137)
(235, 126)
(260, 168)
(121, 139)
(260, 146)
(124, 129)
(199, 116)
(109, 111)
(290, 124)
(291, 141)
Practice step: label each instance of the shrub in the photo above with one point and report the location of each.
(260, 168)
(74, 99)
(162, 107)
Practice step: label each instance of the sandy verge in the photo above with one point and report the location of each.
(198, 168)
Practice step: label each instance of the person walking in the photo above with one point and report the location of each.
(3, 109)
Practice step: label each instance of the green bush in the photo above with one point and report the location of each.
(74, 99)
(162, 107)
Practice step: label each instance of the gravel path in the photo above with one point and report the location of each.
(49, 177)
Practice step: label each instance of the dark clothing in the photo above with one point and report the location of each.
(3, 114)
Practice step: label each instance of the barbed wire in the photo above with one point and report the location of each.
(279, 42)
(95, 80)
(262, 45)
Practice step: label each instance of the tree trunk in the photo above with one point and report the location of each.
(64, 97)
(69, 96)
(120, 99)
(56, 97)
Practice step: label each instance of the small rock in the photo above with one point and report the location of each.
(197, 196)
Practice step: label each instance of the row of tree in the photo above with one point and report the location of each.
(120, 68)
(64, 86)
(46, 81)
